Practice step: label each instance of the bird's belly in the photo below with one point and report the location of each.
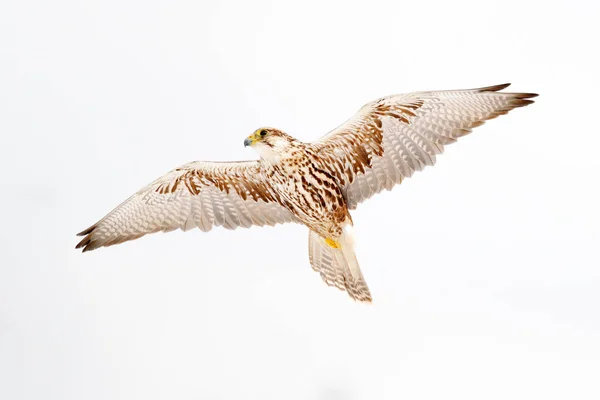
(320, 208)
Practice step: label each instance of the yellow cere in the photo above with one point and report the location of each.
(256, 136)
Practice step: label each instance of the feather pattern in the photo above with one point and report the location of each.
(196, 195)
(338, 267)
(316, 183)
(389, 139)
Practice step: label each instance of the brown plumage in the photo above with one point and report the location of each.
(316, 183)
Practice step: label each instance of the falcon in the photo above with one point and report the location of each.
(316, 183)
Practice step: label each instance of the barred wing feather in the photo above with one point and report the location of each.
(389, 139)
(196, 195)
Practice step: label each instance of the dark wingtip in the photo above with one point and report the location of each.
(497, 88)
(526, 95)
(520, 102)
(87, 231)
(83, 243)
(87, 240)
(494, 88)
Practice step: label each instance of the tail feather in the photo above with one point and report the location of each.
(338, 267)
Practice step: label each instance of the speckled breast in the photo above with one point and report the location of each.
(311, 194)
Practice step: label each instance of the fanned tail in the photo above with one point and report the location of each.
(339, 267)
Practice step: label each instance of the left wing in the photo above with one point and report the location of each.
(199, 194)
(389, 139)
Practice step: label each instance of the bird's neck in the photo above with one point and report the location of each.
(276, 154)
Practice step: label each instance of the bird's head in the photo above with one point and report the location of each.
(270, 143)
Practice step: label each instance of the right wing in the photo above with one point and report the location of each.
(390, 138)
(198, 194)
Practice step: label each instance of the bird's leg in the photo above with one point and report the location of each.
(332, 243)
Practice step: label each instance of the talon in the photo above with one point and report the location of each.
(332, 243)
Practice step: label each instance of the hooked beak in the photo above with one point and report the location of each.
(248, 142)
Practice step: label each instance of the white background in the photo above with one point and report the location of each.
(484, 269)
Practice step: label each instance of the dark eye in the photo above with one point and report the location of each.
(263, 133)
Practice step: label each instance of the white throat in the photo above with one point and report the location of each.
(267, 153)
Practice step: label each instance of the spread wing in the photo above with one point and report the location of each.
(198, 194)
(389, 139)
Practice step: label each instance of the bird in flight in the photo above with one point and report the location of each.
(316, 183)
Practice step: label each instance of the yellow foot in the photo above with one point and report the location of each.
(332, 243)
